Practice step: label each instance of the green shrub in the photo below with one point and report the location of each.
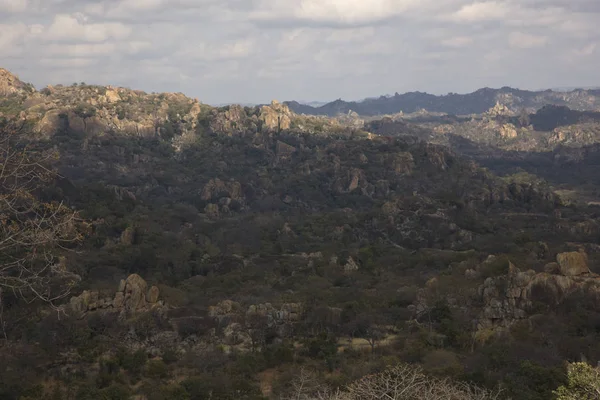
(132, 362)
(170, 392)
(157, 369)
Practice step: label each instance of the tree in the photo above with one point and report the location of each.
(369, 326)
(583, 382)
(85, 111)
(400, 382)
(524, 120)
(32, 231)
(256, 326)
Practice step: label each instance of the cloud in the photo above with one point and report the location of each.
(335, 12)
(586, 51)
(256, 50)
(75, 27)
(13, 6)
(80, 50)
(491, 10)
(211, 52)
(10, 35)
(457, 41)
(520, 40)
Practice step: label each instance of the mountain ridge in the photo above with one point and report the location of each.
(476, 102)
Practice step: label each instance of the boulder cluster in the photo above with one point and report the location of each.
(288, 312)
(514, 296)
(132, 295)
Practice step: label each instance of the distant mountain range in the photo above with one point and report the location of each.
(457, 104)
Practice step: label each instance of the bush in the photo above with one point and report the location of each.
(157, 369)
(583, 383)
(132, 362)
(170, 392)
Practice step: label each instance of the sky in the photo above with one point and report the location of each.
(253, 51)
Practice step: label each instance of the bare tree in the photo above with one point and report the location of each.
(32, 232)
(408, 382)
(306, 386)
(401, 382)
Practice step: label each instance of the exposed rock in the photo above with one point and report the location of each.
(152, 295)
(112, 96)
(131, 296)
(471, 274)
(135, 292)
(215, 188)
(508, 131)
(289, 312)
(573, 263)
(552, 268)
(232, 121)
(10, 84)
(226, 307)
(79, 304)
(212, 210)
(119, 300)
(276, 117)
(514, 296)
(354, 178)
(127, 236)
(499, 110)
(350, 265)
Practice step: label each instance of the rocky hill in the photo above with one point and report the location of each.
(244, 242)
(457, 104)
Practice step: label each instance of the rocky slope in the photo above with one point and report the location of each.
(96, 110)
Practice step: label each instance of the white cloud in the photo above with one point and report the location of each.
(10, 35)
(457, 41)
(255, 50)
(66, 63)
(75, 27)
(344, 12)
(520, 40)
(80, 50)
(129, 7)
(491, 10)
(13, 6)
(203, 51)
(586, 51)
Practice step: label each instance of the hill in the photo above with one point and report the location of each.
(457, 104)
(240, 252)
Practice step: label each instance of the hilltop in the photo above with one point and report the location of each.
(457, 104)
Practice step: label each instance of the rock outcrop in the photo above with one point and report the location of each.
(132, 296)
(276, 117)
(11, 84)
(216, 189)
(287, 313)
(573, 264)
(519, 294)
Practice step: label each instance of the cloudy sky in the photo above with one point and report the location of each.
(257, 50)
